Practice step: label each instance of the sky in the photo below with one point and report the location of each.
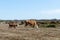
(29, 9)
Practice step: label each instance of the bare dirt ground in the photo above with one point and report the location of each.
(25, 33)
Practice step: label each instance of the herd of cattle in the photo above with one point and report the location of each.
(32, 23)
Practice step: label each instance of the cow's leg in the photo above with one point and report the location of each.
(14, 26)
(10, 26)
(33, 25)
(26, 24)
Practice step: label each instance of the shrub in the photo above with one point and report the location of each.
(52, 22)
(51, 25)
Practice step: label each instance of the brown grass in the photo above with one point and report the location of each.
(25, 33)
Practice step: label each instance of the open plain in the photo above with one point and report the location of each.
(26, 33)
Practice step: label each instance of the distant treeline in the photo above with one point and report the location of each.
(33, 19)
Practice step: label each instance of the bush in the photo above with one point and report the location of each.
(52, 22)
(51, 25)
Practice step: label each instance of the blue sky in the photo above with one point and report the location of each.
(29, 9)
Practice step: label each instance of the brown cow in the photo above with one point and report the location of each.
(33, 23)
(12, 24)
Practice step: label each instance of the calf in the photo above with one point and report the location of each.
(12, 24)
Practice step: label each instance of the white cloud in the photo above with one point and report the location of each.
(56, 11)
(50, 13)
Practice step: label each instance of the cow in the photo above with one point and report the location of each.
(12, 24)
(32, 23)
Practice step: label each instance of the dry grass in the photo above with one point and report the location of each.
(21, 33)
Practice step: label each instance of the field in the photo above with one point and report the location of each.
(26, 33)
